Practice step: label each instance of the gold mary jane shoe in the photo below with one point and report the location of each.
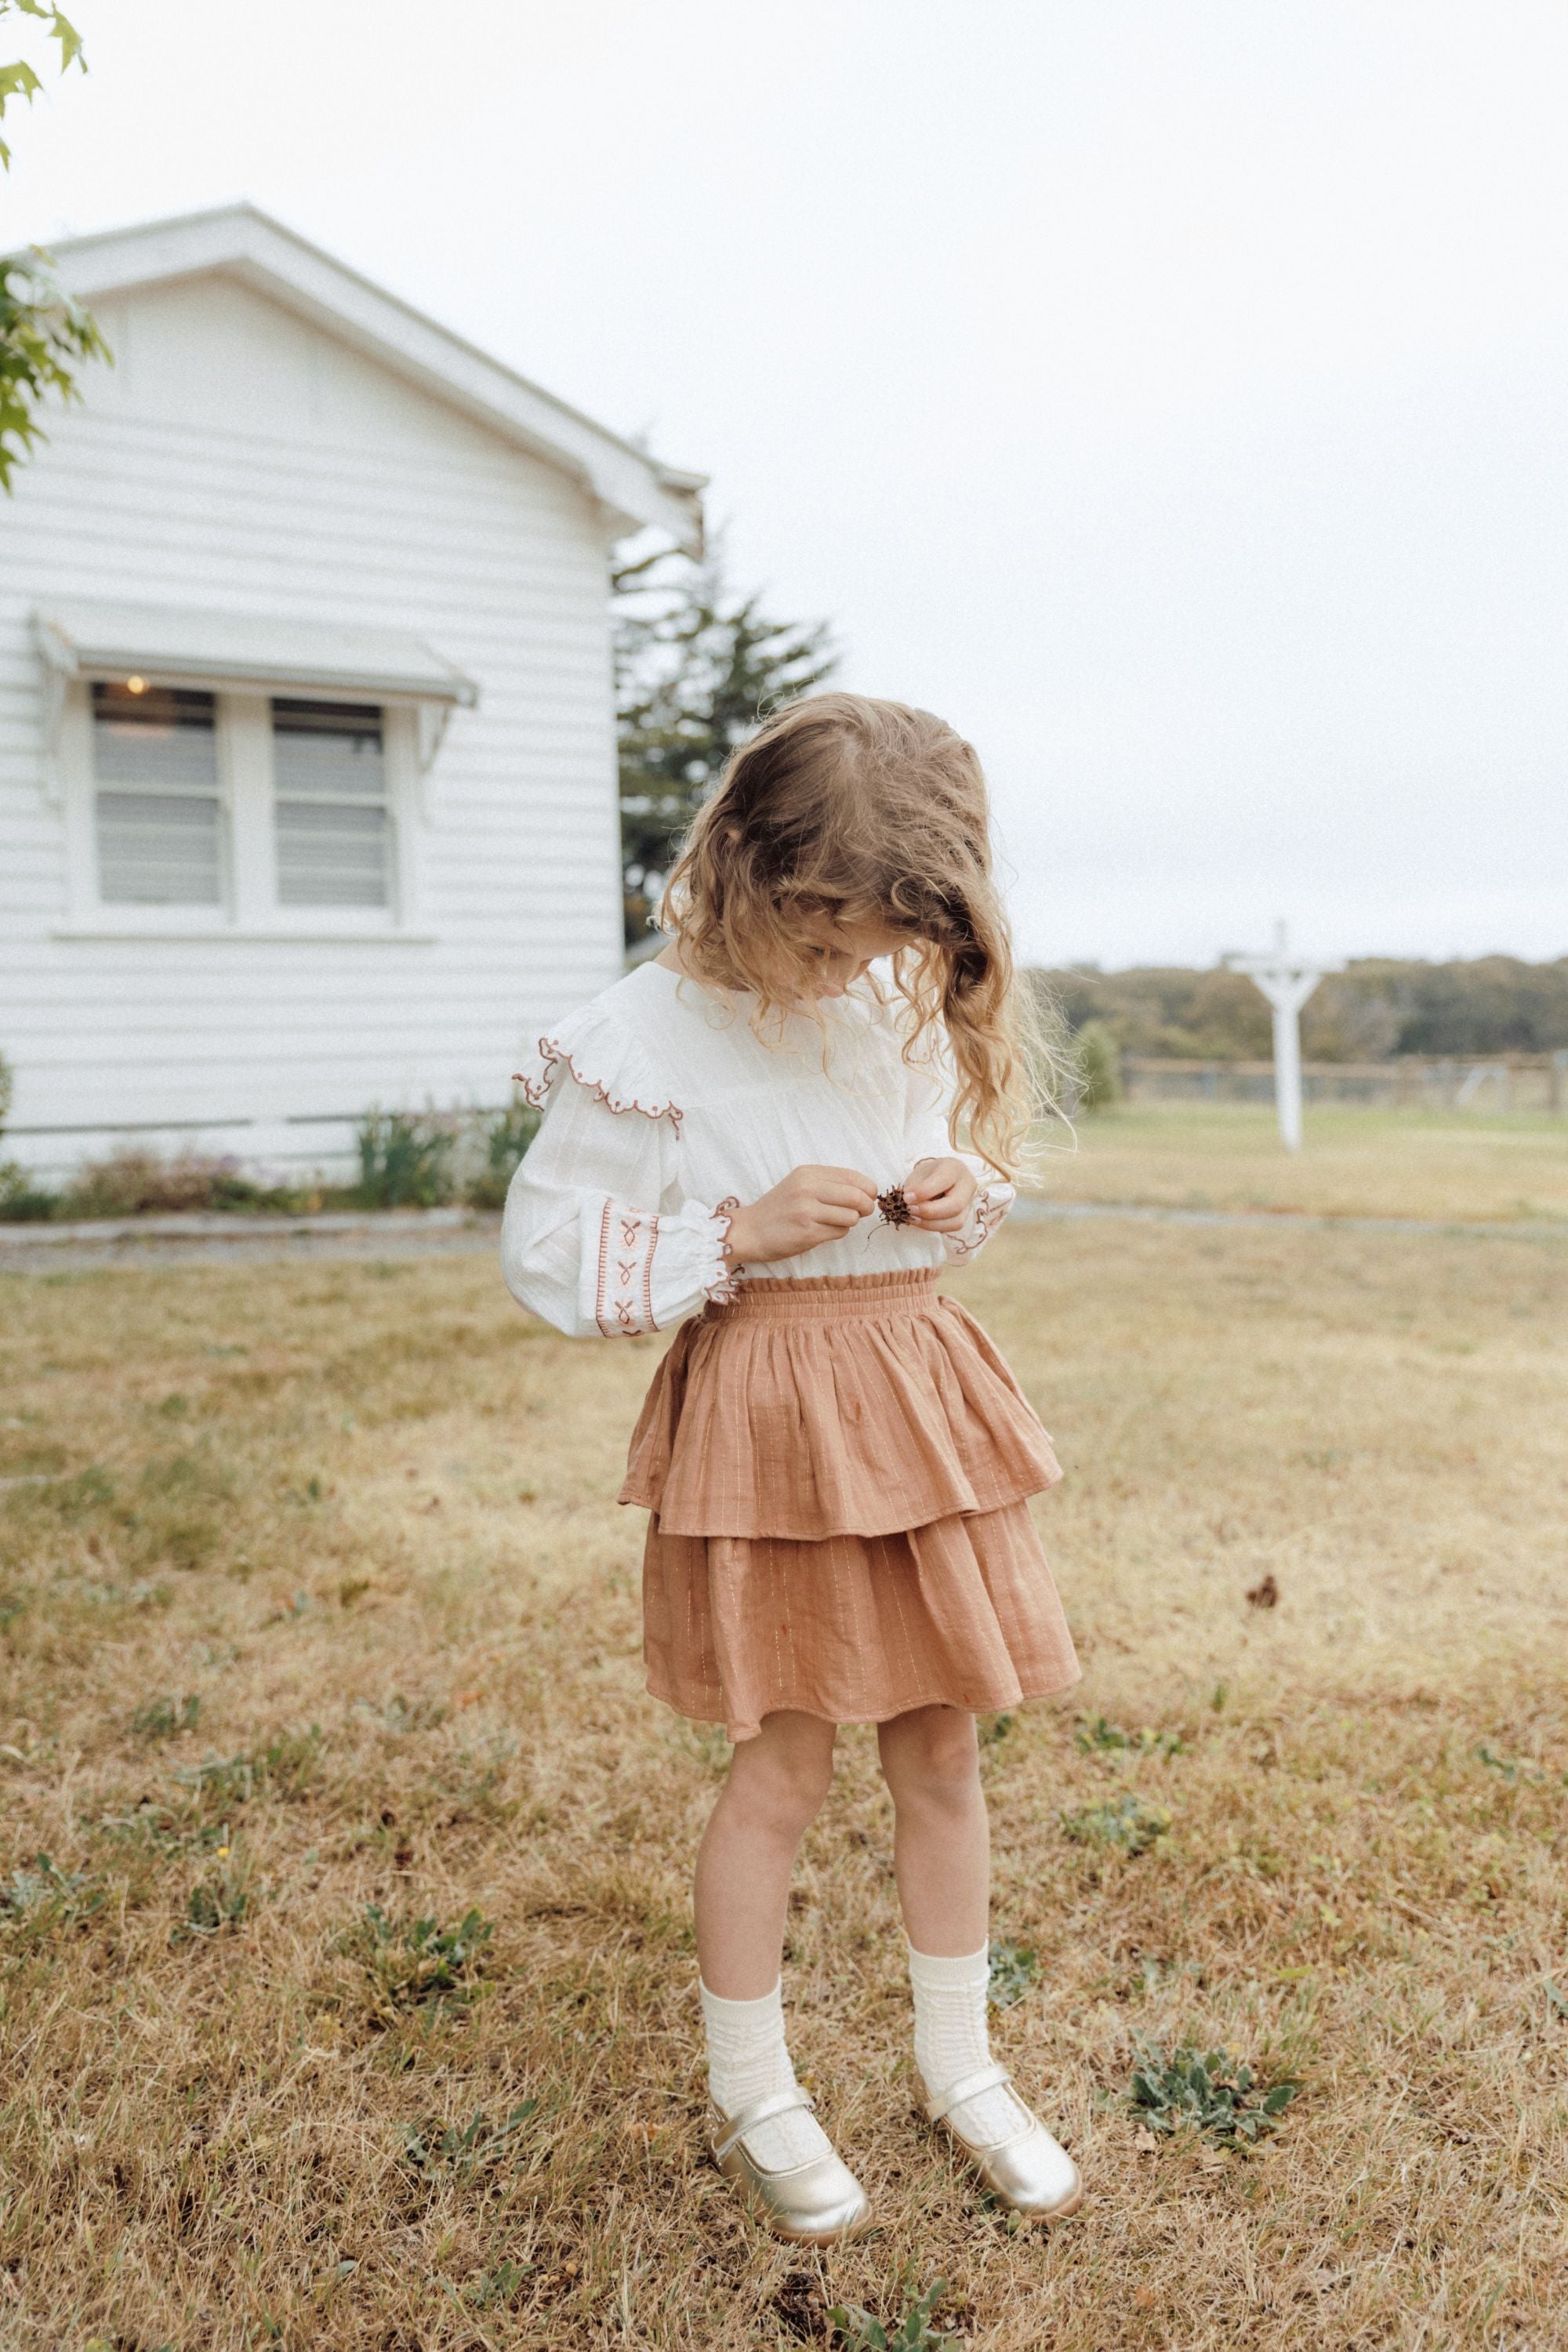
(1026, 2170)
(812, 2203)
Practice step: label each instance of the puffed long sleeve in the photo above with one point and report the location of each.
(595, 1237)
(926, 1137)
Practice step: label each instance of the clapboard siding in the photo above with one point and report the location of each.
(177, 483)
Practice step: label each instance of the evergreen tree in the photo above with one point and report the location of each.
(697, 671)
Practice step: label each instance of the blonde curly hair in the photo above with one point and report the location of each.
(867, 812)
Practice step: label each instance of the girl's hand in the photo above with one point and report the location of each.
(939, 1194)
(812, 1205)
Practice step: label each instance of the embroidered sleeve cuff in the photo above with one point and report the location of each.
(622, 1270)
(649, 1271)
(725, 1276)
(986, 1210)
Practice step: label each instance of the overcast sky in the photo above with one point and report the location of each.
(1172, 395)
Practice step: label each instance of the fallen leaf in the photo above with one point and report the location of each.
(1146, 2142)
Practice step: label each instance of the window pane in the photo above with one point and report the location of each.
(163, 736)
(159, 849)
(155, 758)
(332, 854)
(328, 749)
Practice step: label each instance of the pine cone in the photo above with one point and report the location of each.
(892, 1206)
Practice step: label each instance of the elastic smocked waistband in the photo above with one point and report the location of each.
(829, 1297)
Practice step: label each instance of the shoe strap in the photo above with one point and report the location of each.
(968, 2086)
(761, 2111)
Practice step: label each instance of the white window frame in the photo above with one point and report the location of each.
(250, 909)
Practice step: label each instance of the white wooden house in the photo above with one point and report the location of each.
(306, 747)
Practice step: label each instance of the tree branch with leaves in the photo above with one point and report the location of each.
(697, 671)
(45, 335)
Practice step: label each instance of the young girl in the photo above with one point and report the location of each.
(752, 1137)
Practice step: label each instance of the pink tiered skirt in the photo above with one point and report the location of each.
(838, 1472)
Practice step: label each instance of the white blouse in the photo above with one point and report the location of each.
(664, 1111)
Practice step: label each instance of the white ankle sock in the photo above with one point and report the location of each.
(747, 2060)
(951, 2038)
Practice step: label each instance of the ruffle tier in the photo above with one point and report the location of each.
(962, 1613)
(859, 1405)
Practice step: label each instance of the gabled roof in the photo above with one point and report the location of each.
(239, 241)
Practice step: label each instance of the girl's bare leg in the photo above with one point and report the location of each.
(941, 1837)
(942, 1856)
(777, 1785)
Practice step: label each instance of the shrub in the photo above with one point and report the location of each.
(1098, 1065)
(422, 1159)
(406, 1159)
(409, 1160)
(503, 1138)
(136, 1182)
(21, 1200)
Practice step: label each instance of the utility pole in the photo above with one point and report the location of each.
(1286, 981)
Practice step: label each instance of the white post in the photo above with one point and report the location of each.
(1287, 1072)
(1286, 981)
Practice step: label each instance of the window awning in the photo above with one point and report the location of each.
(175, 645)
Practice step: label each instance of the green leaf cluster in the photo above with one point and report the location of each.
(44, 334)
(214, 1905)
(492, 2290)
(1205, 2092)
(46, 1897)
(1511, 1769)
(464, 2155)
(19, 81)
(416, 1963)
(1129, 1821)
(1096, 1734)
(165, 1719)
(1013, 1968)
(404, 1159)
(858, 2331)
(697, 671)
(284, 1767)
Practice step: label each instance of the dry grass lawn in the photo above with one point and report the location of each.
(1459, 1164)
(318, 1623)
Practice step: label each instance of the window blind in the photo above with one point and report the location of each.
(159, 841)
(333, 830)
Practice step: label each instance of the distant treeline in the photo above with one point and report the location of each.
(1375, 1008)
